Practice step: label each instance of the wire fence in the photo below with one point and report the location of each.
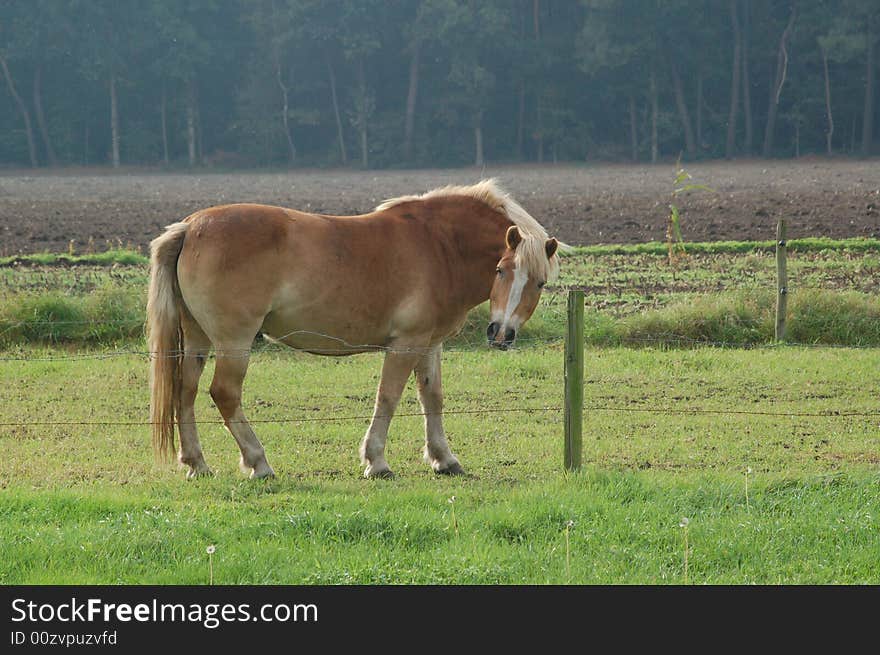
(552, 308)
(553, 305)
(486, 408)
(481, 411)
(276, 346)
(663, 342)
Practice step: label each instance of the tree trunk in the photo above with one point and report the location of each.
(285, 109)
(730, 147)
(868, 115)
(200, 157)
(829, 132)
(852, 136)
(478, 140)
(41, 117)
(163, 110)
(700, 109)
(365, 162)
(746, 79)
(275, 47)
(633, 129)
(191, 122)
(363, 112)
(539, 119)
(683, 114)
(539, 133)
(332, 75)
(114, 121)
(654, 111)
(781, 69)
(28, 129)
(520, 120)
(411, 97)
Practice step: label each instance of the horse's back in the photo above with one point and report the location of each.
(355, 278)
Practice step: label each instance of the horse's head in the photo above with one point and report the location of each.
(528, 263)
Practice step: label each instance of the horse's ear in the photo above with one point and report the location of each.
(513, 237)
(550, 247)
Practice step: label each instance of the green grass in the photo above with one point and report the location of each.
(86, 503)
(625, 532)
(669, 433)
(620, 285)
(129, 257)
(114, 317)
(118, 256)
(630, 299)
(745, 319)
(806, 245)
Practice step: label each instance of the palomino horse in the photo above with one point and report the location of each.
(400, 279)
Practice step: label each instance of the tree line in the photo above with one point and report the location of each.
(384, 83)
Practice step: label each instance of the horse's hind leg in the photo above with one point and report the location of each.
(232, 363)
(195, 351)
(437, 453)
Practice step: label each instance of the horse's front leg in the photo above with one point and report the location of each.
(437, 453)
(395, 372)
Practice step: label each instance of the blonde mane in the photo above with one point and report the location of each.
(530, 252)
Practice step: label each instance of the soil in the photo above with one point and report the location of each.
(583, 204)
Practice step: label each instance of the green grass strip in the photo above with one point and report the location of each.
(811, 244)
(108, 258)
(747, 319)
(660, 248)
(107, 316)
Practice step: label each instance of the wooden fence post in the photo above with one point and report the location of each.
(781, 280)
(574, 379)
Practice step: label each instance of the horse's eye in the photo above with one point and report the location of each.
(499, 271)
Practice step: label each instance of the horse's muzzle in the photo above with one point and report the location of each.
(492, 334)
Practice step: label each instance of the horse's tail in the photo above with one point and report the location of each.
(164, 337)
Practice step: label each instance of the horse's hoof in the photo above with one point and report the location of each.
(262, 472)
(454, 468)
(382, 474)
(201, 472)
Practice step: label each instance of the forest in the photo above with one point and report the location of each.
(408, 83)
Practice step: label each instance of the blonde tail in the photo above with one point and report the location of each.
(164, 338)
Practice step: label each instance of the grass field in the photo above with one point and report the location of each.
(86, 503)
(771, 453)
(721, 292)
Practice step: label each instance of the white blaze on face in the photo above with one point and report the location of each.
(520, 278)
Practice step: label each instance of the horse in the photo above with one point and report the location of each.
(400, 279)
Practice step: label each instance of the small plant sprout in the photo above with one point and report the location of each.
(451, 502)
(674, 239)
(568, 526)
(210, 550)
(683, 524)
(748, 473)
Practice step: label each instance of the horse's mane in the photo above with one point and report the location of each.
(530, 251)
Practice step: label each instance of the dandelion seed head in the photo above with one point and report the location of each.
(749, 471)
(210, 549)
(684, 522)
(451, 499)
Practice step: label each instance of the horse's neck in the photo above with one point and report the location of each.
(476, 233)
(483, 248)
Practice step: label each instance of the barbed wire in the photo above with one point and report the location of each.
(551, 306)
(453, 412)
(663, 340)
